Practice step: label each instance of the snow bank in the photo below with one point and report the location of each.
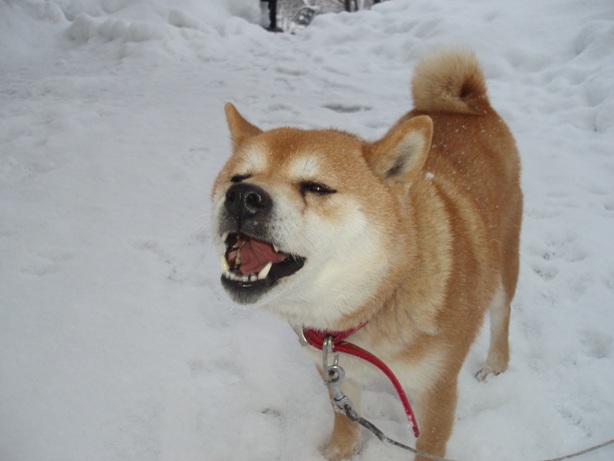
(116, 342)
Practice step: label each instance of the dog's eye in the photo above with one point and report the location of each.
(239, 178)
(316, 188)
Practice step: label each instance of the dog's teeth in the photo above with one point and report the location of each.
(227, 273)
(265, 271)
(224, 236)
(238, 258)
(275, 249)
(239, 278)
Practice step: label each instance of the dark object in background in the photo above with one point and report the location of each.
(293, 16)
(272, 16)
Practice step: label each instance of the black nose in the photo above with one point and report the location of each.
(245, 201)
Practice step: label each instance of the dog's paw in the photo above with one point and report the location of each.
(336, 452)
(486, 372)
(344, 441)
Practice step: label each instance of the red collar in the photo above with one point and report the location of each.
(316, 338)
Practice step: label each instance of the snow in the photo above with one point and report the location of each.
(116, 340)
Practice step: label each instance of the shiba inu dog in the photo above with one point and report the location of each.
(415, 236)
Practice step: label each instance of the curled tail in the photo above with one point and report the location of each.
(450, 82)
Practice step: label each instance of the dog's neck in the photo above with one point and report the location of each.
(316, 337)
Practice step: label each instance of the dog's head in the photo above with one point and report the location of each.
(308, 222)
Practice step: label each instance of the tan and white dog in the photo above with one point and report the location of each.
(416, 235)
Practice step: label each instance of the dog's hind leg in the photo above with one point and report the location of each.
(500, 305)
(498, 351)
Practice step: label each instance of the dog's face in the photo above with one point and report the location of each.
(307, 222)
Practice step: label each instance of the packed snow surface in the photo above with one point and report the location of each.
(116, 339)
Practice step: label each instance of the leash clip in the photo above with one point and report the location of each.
(341, 402)
(335, 376)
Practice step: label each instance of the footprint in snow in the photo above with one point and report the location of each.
(46, 261)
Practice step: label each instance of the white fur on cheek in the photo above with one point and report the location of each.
(343, 269)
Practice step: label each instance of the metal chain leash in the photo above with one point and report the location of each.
(342, 404)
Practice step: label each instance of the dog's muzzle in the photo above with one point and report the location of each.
(252, 263)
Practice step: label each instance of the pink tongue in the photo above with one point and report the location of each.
(256, 254)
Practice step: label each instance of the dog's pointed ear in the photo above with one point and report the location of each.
(240, 129)
(400, 155)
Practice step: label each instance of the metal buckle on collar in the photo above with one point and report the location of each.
(301, 335)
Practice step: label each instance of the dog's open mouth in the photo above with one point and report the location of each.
(250, 264)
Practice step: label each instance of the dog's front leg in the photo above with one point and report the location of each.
(346, 433)
(436, 417)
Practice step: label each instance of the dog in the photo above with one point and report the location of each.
(415, 236)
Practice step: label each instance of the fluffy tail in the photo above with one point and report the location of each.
(450, 82)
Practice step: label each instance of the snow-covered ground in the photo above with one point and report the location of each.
(116, 341)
